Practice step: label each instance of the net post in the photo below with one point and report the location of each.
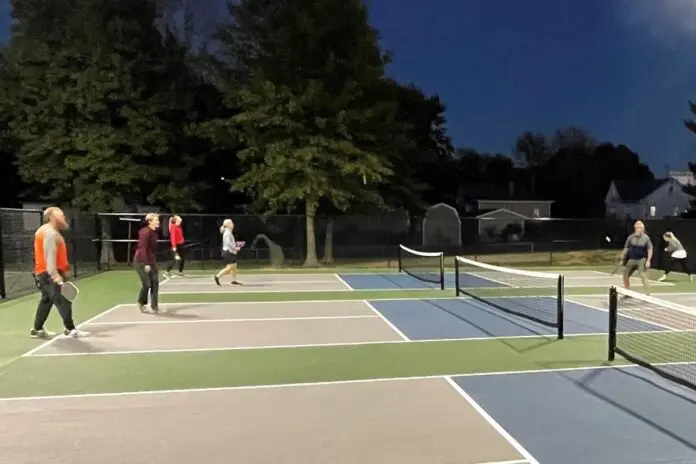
(613, 321)
(400, 267)
(442, 272)
(456, 277)
(3, 292)
(560, 307)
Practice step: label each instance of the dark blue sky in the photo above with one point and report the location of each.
(622, 69)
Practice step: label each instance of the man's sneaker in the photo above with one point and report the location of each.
(154, 309)
(75, 333)
(234, 282)
(217, 280)
(42, 334)
(142, 308)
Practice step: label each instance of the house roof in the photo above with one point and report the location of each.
(636, 190)
(496, 192)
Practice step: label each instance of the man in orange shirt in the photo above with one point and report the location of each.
(50, 268)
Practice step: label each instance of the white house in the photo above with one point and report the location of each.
(660, 198)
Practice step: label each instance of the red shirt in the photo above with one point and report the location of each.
(176, 235)
(147, 246)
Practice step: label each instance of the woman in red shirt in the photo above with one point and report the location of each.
(176, 236)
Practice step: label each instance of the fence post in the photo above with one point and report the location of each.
(3, 292)
(73, 245)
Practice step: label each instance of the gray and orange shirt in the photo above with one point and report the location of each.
(50, 252)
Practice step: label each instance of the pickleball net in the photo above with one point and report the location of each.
(422, 265)
(532, 295)
(653, 333)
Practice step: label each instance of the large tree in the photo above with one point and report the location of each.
(101, 97)
(300, 73)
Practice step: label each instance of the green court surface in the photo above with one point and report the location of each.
(64, 375)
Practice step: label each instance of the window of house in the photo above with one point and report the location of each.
(653, 211)
(676, 211)
(536, 212)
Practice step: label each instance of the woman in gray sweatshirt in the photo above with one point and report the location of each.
(677, 255)
(229, 253)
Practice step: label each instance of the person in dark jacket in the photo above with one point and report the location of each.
(146, 265)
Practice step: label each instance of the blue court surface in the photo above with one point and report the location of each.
(405, 281)
(592, 416)
(613, 415)
(466, 318)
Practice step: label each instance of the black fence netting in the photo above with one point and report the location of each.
(105, 241)
(17, 229)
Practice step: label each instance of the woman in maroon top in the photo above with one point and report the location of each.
(176, 236)
(145, 263)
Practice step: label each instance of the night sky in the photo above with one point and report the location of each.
(622, 69)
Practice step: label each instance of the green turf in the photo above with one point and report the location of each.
(137, 372)
(114, 373)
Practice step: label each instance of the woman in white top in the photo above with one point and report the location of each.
(229, 252)
(677, 255)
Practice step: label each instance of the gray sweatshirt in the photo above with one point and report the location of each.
(228, 242)
(673, 244)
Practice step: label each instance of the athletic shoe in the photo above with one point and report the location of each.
(662, 279)
(691, 278)
(154, 309)
(234, 282)
(217, 280)
(142, 308)
(75, 333)
(41, 333)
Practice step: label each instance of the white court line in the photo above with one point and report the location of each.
(329, 383)
(597, 308)
(386, 321)
(549, 336)
(341, 290)
(248, 319)
(492, 422)
(451, 297)
(252, 283)
(343, 282)
(59, 337)
(505, 284)
(516, 461)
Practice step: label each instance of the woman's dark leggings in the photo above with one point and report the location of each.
(680, 261)
(149, 281)
(173, 261)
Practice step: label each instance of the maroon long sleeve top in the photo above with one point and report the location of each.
(147, 246)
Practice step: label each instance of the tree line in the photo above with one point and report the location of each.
(285, 107)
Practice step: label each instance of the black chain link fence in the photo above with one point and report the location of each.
(105, 241)
(17, 228)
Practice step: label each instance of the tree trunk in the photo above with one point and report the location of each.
(311, 258)
(107, 251)
(328, 242)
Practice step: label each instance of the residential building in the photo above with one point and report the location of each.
(659, 198)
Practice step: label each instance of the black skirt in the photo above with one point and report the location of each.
(228, 257)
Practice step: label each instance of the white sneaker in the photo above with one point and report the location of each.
(662, 279)
(42, 333)
(75, 333)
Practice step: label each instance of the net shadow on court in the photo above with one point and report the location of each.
(585, 384)
(544, 337)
